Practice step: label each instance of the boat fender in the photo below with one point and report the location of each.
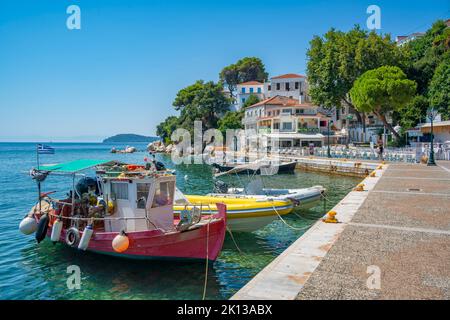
(56, 230)
(121, 242)
(86, 237)
(41, 231)
(111, 207)
(72, 237)
(28, 225)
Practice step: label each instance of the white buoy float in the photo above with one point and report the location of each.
(86, 237)
(56, 230)
(28, 225)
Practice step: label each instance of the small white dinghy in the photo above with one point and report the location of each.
(304, 198)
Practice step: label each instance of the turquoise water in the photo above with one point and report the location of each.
(32, 271)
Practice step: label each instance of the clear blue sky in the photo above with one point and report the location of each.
(121, 71)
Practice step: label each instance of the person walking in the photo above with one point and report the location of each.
(311, 149)
(380, 148)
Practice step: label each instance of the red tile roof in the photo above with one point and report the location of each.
(288, 76)
(250, 83)
(282, 101)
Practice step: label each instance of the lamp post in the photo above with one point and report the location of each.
(349, 118)
(328, 133)
(432, 113)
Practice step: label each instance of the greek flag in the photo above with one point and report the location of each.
(44, 149)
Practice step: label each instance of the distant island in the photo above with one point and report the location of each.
(129, 137)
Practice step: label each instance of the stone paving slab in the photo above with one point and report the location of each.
(406, 235)
(445, 164)
(425, 186)
(413, 265)
(424, 174)
(412, 167)
(284, 277)
(405, 210)
(403, 234)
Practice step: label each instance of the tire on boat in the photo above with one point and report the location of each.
(72, 237)
(41, 231)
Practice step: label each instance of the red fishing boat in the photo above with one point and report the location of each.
(126, 211)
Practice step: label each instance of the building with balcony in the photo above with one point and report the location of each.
(246, 89)
(293, 123)
(290, 91)
(289, 85)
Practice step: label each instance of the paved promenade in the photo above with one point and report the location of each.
(402, 228)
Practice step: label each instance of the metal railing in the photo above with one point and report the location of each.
(408, 155)
(308, 130)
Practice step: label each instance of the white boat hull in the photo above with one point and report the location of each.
(305, 198)
(249, 224)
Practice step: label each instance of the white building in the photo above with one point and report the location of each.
(289, 85)
(246, 89)
(294, 124)
(402, 40)
(441, 130)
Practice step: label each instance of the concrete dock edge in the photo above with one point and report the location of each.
(285, 276)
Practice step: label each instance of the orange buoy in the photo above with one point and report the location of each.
(121, 242)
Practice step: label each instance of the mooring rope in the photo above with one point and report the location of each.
(207, 249)
(234, 241)
(207, 260)
(281, 218)
(304, 218)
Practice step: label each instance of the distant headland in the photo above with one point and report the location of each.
(129, 137)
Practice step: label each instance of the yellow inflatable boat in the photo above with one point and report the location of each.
(243, 214)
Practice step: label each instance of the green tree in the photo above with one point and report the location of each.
(164, 129)
(246, 69)
(439, 89)
(202, 101)
(252, 99)
(426, 53)
(381, 91)
(338, 58)
(186, 96)
(412, 113)
(231, 120)
(211, 104)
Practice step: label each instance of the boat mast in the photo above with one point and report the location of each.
(38, 182)
(73, 195)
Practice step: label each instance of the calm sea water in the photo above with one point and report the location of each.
(32, 271)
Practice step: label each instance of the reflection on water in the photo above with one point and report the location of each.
(31, 271)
